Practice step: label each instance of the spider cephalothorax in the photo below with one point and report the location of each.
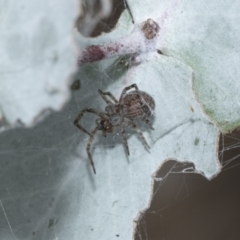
(113, 119)
(119, 115)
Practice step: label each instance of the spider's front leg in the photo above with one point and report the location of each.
(81, 114)
(125, 141)
(98, 123)
(104, 94)
(77, 119)
(89, 147)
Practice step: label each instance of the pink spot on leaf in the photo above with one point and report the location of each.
(91, 54)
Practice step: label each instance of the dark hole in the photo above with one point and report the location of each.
(104, 25)
(186, 206)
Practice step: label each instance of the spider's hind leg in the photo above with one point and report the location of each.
(125, 141)
(124, 91)
(137, 129)
(147, 121)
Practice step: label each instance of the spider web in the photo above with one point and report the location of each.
(184, 203)
(41, 157)
(45, 170)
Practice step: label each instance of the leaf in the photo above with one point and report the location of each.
(204, 36)
(36, 58)
(181, 132)
(49, 176)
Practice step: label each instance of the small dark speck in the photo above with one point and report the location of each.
(91, 229)
(33, 233)
(196, 141)
(51, 222)
(76, 85)
(117, 235)
(54, 57)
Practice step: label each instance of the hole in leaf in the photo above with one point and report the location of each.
(187, 206)
(95, 19)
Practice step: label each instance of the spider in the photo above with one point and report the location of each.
(119, 115)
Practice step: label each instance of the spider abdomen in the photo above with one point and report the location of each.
(138, 105)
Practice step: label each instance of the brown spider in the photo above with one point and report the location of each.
(120, 114)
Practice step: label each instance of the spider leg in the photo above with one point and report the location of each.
(125, 141)
(104, 133)
(147, 121)
(138, 131)
(98, 124)
(104, 94)
(81, 114)
(124, 91)
(89, 147)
